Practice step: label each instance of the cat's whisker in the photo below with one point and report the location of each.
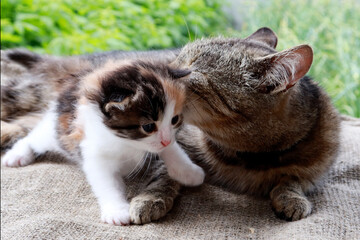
(148, 166)
(138, 167)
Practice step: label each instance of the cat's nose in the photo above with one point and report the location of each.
(165, 142)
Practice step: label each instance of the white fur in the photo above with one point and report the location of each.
(178, 163)
(180, 167)
(40, 140)
(106, 158)
(165, 131)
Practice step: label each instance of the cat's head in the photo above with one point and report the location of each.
(140, 101)
(238, 85)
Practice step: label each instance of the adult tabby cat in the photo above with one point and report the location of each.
(256, 124)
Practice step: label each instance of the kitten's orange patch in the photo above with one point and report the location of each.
(71, 141)
(92, 82)
(77, 135)
(83, 101)
(64, 120)
(70, 132)
(175, 92)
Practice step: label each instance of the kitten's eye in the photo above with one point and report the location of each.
(174, 120)
(149, 128)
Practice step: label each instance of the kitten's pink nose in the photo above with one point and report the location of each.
(165, 142)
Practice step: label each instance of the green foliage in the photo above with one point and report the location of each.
(331, 27)
(64, 27)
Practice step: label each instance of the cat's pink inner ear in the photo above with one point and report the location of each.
(285, 68)
(264, 35)
(297, 62)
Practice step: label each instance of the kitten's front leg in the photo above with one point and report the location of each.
(180, 167)
(108, 188)
(289, 201)
(156, 199)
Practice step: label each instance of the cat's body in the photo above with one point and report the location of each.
(273, 131)
(108, 120)
(257, 124)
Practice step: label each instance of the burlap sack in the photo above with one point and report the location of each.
(52, 200)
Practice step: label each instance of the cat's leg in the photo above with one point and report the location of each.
(180, 167)
(16, 129)
(156, 199)
(109, 188)
(289, 201)
(10, 133)
(40, 140)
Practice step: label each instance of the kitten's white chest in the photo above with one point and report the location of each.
(100, 144)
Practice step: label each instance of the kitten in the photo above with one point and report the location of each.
(28, 78)
(256, 123)
(108, 119)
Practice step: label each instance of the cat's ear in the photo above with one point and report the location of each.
(283, 69)
(178, 73)
(118, 101)
(117, 105)
(264, 35)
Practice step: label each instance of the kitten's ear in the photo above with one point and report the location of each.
(178, 73)
(117, 105)
(283, 69)
(118, 101)
(264, 35)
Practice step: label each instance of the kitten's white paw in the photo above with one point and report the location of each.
(20, 155)
(116, 215)
(193, 175)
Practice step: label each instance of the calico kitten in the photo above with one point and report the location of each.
(27, 79)
(256, 123)
(108, 119)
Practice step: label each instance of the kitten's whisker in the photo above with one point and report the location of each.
(137, 168)
(148, 166)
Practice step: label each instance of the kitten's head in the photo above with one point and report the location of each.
(140, 101)
(238, 85)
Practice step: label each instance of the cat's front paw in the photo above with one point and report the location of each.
(145, 208)
(290, 207)
(191, 176)
(117, 215)
(20, 155)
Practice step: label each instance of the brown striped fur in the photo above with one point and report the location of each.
(257, 130)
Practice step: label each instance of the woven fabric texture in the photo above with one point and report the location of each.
(52, 200)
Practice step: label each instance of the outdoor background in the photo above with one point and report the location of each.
(64, 27)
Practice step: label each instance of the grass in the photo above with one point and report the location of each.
(330, 27)
(64, 27)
